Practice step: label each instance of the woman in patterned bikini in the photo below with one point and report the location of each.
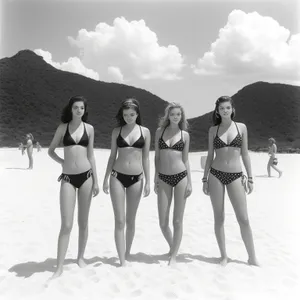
(172, 173)
(79, 173)
(127, 171)
(229, 140)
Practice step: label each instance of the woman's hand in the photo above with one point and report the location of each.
(205, 188)
(105, 187)
(95, 189)
(146, 190)
(188, 190)
(250, 187)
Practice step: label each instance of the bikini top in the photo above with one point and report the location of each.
(177, 146)
(69, 141)
(236, 142)
(139, 143)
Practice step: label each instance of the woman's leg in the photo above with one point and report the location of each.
(117, 194)
(237, 197)
(276, 169)
(216, 192)
(67, 205)
(269, 166)
(84, 203)
(133, 197)
(30, 158)
(164, 200)
(179, 206)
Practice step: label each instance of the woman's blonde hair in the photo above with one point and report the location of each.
(164, 121)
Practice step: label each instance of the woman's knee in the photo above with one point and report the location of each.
(120, 223)
(243, 222)
(177, 224)
(82, 225)
(164, 224)
(219, 220)
(66, 228)
(130, 224)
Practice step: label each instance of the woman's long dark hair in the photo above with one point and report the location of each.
(216, 116)
(67, 116)
(127, 104)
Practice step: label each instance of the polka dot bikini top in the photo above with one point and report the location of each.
(179, 146)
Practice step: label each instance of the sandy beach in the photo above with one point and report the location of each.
(30, 223)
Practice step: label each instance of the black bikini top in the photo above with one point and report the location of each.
(236, 142)
(139, 143)
(177, 146)
(69, 141)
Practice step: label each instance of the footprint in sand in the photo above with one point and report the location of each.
(136, 293)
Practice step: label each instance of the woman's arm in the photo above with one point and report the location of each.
(111, 160)
(210, 152)
(145, 160)
(185, 159)
(91, 158)
(156, 159)
(244, 150)
(55, 142)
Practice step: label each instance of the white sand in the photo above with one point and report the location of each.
(30, 222)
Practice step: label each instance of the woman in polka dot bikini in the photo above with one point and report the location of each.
(229, 141)
(172, 173)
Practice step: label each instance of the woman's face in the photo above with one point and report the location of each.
(225, 110)
(129, 115)
(78, 109)
(175, 115)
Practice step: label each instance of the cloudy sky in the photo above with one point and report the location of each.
(190, 51)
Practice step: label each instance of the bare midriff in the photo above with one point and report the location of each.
(227, 159)
(170, 162)
(75, 160)
(129, 161)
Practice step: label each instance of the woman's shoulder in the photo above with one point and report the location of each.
(213, 129)
(240, 124)
(62, 126)
(145, 129)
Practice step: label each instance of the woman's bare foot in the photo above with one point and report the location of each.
(224, 261)
(81, 263)
(123, 264)
(172, 261)
(128, 256)
(57, 273)
(253, 262)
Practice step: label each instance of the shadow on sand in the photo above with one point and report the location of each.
(29, 268)
(181, 258)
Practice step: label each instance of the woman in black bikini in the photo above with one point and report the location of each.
(79, 172)
(127, 171)
(172, 173)
(229, 140)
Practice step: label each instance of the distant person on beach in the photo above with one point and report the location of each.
(38, 146)
(127, 169)
(273, 161)
(78, 174)
(229, 141)
(29, 149)
(172, 173)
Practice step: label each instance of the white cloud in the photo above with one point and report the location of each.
(116, 74)
(73, 65)
(131, 47)
(253, 44)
